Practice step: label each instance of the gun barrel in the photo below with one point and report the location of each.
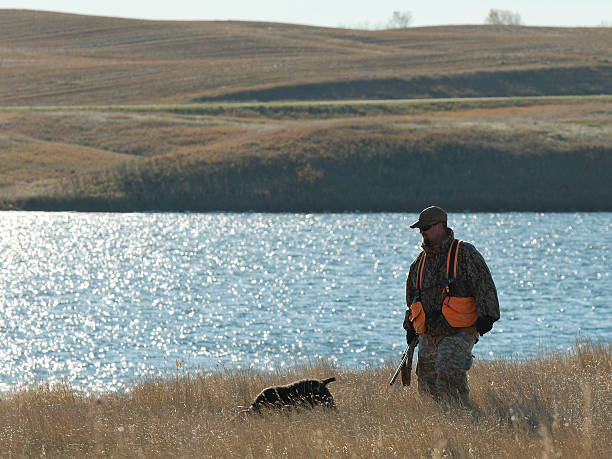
(395, 375)
(399, 368)
(407, 355)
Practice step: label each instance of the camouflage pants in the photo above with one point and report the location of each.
(442, 367)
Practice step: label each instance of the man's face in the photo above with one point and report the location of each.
(434, 235)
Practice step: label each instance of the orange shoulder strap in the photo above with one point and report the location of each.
(451, 259)
(420, 272)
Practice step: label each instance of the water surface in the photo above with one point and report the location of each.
(103, 300)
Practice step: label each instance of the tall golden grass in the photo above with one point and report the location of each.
(552, 406)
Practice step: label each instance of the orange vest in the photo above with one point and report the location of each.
(458, 311)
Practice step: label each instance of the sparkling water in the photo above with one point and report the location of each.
(103, 300)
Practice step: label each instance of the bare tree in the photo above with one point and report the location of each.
(503, 17)
(400, 20)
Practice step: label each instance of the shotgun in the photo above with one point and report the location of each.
(405, 366)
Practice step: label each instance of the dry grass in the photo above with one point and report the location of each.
(283, 157)
(40, 147)
(52, 58)
(555, 406)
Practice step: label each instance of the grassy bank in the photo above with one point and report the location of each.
(364, 172)
(549, 154)
(553, 406)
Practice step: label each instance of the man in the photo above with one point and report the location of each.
(451, 299)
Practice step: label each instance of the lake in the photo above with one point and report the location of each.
(101, 300)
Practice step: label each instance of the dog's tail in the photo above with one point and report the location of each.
(328, 380)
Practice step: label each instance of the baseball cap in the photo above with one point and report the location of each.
(430, 216)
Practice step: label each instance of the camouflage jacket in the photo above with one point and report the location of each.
(473, 279)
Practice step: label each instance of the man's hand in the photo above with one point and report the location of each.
(407, 324)
(484, 324)
(410, 335)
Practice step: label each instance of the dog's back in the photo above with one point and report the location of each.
(306, 393)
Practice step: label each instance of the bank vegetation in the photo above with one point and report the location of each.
(508, 154)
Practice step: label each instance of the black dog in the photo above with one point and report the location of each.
(306, 393)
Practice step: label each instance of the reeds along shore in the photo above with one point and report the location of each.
(554, 406)
(346, 170)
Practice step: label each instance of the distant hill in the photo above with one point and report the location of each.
(110, 114)
(56, 59)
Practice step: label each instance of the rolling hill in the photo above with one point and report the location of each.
(55, 58)
(101, 113)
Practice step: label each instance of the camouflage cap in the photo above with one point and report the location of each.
(430, 216)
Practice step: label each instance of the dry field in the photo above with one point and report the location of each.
(548, 407)
(62, 59)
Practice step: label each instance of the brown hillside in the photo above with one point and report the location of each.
(512, 154)
(53, 58)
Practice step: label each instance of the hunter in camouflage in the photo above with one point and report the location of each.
(445, 352)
